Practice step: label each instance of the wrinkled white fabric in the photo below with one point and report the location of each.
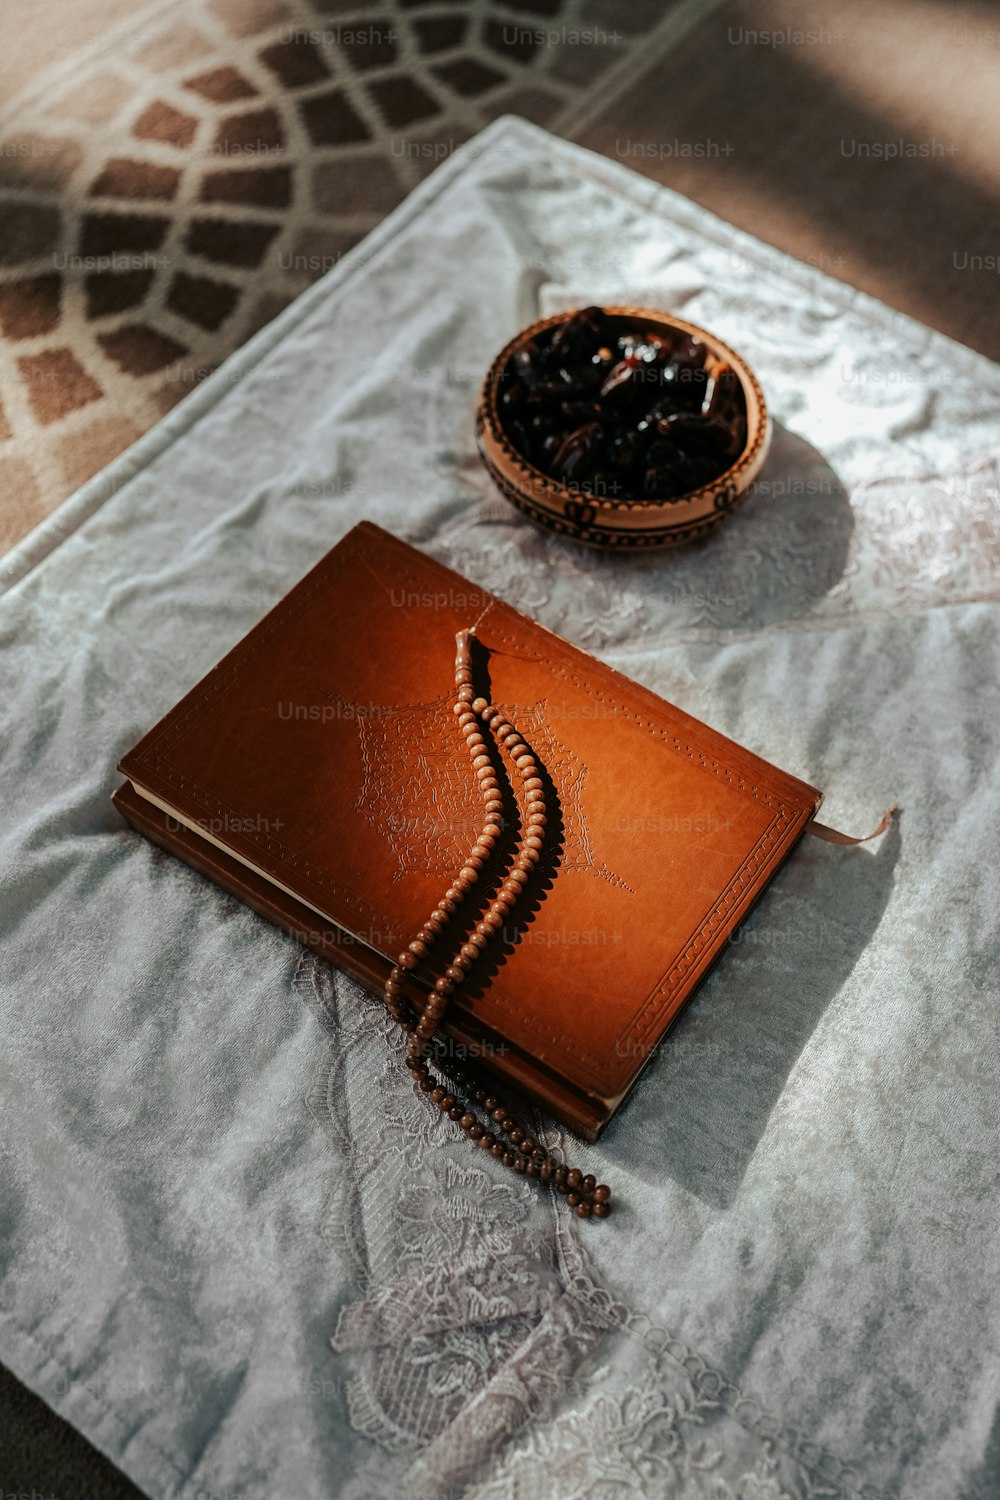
(206, 1181)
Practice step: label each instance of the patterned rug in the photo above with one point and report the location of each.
(167, 192)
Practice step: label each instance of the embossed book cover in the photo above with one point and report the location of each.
(318, 774)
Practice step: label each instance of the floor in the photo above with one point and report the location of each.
(171, 174)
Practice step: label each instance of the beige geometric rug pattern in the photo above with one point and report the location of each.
(163, 195)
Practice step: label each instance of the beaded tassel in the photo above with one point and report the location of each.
(518, 1150)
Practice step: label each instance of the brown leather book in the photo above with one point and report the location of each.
(318, 774)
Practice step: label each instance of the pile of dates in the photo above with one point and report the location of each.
(616, 410)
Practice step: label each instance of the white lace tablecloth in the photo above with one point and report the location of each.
(236, 1251)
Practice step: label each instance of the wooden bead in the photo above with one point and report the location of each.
(589, 1183)
(456, 972)
(407, 960)
(520, 1165)
(602, 1193)
(574, 1177)
(601, 1210)
(516, 1135)
(455, 1113)
(438, 1093)
(418, 948)
(573, 1199)
(443, 986)
(467, 1120)
(476, 1131)
(583, 1210)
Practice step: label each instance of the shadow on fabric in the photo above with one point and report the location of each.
(701, 1108)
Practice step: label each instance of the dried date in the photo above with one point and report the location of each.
(622, 410)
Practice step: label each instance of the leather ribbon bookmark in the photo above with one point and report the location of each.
(832, 836)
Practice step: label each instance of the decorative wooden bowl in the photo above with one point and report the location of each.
(606, 521)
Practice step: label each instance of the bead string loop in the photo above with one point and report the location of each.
(498, 1133)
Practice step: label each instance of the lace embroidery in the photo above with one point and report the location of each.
(487, 1361)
